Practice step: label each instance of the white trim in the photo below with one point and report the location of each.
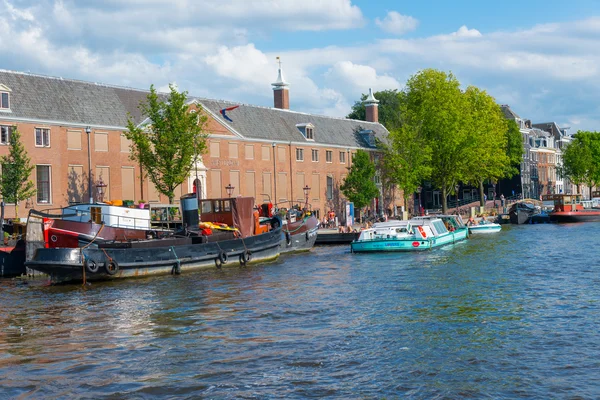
(49, 184)
(35, 137)
(287, 142)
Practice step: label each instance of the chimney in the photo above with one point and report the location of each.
(281, 94)
(371, 107)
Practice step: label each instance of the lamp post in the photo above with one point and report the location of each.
(100, 186)
(88, 130)
(306, 192)
(229, 189)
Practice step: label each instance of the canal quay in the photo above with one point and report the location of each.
(510, 315)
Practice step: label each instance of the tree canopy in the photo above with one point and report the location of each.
(581, 159)
(171, 142)
(359, 186)
(389, 103)
(16, 170)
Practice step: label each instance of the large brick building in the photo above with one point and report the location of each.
(261, 152)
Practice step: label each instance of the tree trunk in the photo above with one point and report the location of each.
(445, 200)
(591, 186)
(481, 194)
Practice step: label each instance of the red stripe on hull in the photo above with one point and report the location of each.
(575, 216)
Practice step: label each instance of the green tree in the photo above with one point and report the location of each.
(407, 157)
(439, 110)
(389, 102)
(487, 148)
(581, 159)
(168, 145)
(16, 170)
(514, 148)
(359, 186)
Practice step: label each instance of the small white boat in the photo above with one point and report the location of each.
(485, 227)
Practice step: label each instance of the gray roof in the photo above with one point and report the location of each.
(509, 113)
(54, 99)
(63, 100)
(276, 124)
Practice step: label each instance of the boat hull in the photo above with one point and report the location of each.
(12, 259)
(488, 228)
(152, 258)
(409, 244)
(300, 235)
(575, 216)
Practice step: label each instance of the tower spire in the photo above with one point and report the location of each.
(281, 95)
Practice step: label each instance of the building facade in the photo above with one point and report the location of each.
(71, 128)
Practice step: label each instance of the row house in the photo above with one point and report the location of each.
(73, 133)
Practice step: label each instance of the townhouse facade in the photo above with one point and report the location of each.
(74, 134)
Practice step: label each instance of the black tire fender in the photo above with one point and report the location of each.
(91, 266)
(288, 238)
(223, 257)
(111, 267)
(245, 257)
(176, 268)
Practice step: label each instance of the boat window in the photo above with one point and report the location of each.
(226, 205)
(206, 207)
(400, 230)
(217, 206)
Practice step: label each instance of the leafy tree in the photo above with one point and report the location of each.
(168, 145)
(487, 156)
(16, 170)
(407, 157)
(514, 148)
(359, 186)
(388, 108)
(581, 159)
(439, 111)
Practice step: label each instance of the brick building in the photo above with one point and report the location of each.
(262, 152)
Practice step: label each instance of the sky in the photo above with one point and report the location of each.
(540, 57)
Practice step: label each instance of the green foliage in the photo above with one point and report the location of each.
(169, 145)
(359, 186)
(514, 148)
(389, 103)
(16, 170)
(581, 159)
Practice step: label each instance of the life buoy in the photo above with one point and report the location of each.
(91, 266)
(111, 267)
(422, 231)
(223, 257)
(176, 268)
(288, 238)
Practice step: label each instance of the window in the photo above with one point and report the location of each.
(315, 155)
(328, 156)
(299, 154)
(5, 134)
(125, 144)
(249, 151)
(43, 183)
(266, 153)
(215, 149)
(4, 103)
(310, 133)
(73, 140)
(42, 137)
(329, 187)
(342, 157)
(100, 141)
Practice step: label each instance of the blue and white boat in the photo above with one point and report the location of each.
(422, 233)
(485, 227)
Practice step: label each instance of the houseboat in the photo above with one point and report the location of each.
(571, 208)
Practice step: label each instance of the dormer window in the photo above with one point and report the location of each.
(307, 130)
(4, 98)
(368, 137)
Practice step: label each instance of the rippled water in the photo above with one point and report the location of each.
(511, 315)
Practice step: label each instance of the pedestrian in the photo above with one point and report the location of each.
(502, 200)
(484, 198)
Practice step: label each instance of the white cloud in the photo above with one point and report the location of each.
(463, 31)
(356, 78)
(397, 23)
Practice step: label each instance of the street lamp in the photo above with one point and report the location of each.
(456, 192)
(100, 186)
(306, 192)
(88, 130)
(229, 189)
(274, 174)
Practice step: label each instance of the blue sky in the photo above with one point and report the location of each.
(540, 57)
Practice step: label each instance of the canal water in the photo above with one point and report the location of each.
(509, 315)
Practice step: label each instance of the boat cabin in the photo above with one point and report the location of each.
(565, 202)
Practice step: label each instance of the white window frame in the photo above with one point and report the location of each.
(342, 157)
(2, 106)
(35, 137)
(328, 156)
(49, 184)
(315, 152)
(299, 154)
(310, 132)
(8, 134)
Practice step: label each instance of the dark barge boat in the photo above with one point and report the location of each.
(521, 212)
(251, 241)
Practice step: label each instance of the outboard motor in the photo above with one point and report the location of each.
(189, 211)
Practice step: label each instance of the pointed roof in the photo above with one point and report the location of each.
(280, 83)
(370, 100)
